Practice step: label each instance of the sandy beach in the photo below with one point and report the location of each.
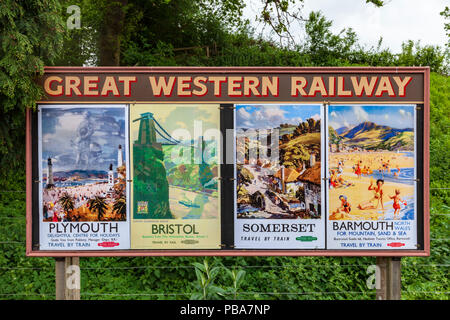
(371, 159)
(356, 189)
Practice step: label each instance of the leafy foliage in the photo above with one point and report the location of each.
(446, 15)
(157, 33)
(206, 276)
(238, 278)
(31, 35)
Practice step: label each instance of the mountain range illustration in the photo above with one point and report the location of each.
(81, 174)
(369, 135)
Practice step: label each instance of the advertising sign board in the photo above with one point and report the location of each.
(147, 161)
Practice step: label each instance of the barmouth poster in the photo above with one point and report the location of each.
(371, 176)
(175, 176)
(83, 177)
(278, 177)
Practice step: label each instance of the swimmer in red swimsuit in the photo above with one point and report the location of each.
(396, 173)
(333, 179)
(397, 201)
(358, 171)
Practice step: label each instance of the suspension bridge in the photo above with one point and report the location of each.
(148, 131)
(149, 170)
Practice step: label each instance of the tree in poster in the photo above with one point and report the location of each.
(244, 177)
(67, 203)
(98, 204)
(120, 208)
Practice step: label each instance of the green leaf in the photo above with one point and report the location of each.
(213, 273)
(199, 274)
(196, 296)
(240, 277)
(199, 266)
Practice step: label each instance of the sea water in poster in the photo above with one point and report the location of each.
(83, 173)
(278, 177)
(371, 164)
(175, 173)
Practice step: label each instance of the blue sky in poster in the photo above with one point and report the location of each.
(271, 116)
(82, 138)
(398, 116)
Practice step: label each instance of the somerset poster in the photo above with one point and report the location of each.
(371, 171)
(175, 176)
(278, 177)
(83, 174)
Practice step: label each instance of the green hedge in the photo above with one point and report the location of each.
(265, 278)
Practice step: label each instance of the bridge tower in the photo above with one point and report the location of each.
(147, 131)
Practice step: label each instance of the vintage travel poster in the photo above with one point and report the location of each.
(278, 177)
(83, 173)
(371, 176)
(175, 167)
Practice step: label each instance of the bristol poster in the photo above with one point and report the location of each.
(175, 176)
(83, 177)
(371, 177)
(278, 177)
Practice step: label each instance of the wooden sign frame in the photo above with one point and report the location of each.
(274, 93)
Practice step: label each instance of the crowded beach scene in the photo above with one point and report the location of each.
(371, 162)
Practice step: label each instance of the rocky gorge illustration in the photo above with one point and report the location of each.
(165, 187)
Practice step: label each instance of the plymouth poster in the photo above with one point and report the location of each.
(83, 177)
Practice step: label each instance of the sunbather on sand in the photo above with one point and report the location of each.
(377, 198)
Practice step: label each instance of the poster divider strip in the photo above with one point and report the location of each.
(226, 179)
(419, 183)
(325, 170)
